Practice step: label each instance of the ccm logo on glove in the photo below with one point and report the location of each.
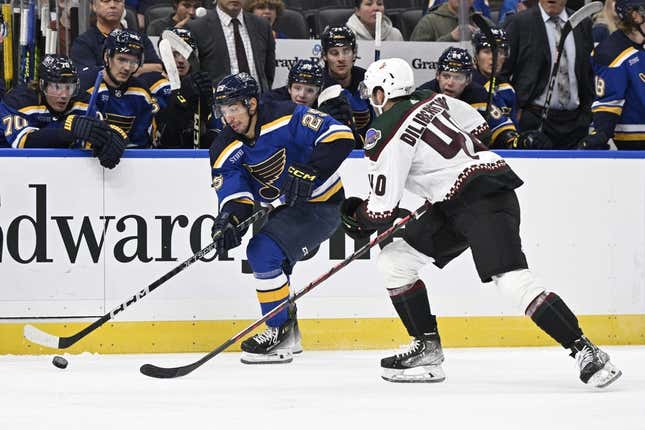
(293, 171)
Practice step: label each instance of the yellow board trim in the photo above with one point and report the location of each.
(318, 334)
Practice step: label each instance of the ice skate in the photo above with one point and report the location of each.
(593, 363)
(295, 336)
(273, 345)
(420, 363)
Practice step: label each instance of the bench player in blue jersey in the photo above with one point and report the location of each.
(268, 151)
(339, 54)
(305, 86)
(619, 76)
(45, 114)
(123, 99)
(504, 91)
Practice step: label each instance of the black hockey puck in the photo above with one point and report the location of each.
(59, 362)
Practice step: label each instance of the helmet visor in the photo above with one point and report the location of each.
(59, 89)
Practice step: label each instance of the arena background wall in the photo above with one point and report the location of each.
(77, 240)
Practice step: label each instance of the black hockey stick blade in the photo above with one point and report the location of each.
(174, 372)
(40, 337)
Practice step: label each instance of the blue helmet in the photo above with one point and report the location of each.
(234, 88)
(480, 40)
(455, 60)
(306, 72)
(124, 42)
(624, 7)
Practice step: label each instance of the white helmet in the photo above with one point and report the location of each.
(393, 75)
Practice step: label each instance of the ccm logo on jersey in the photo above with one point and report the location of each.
(300, 174)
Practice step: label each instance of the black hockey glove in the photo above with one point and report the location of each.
(339, 109)
(195, 85)
(351, 225)
(94, 130)
(110, 153)
(532, 139)
(225, 231)
(596, 140)
(298, 183)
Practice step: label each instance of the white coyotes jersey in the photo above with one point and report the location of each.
(429, 149)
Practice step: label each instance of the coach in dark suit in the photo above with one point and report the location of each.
(533, 35)
(231, 40)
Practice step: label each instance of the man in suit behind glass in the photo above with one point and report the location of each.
(224, 51)
(533, 36)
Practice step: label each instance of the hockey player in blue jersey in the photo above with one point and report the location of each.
(339, 54)
(123, 99)
(267, 151)
(454, 79)
(504, 91)
(305, 87)
(619, 74)
(45, 115)
(176, 121)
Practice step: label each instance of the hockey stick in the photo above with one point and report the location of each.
(174, 372)
(480, 22)
(377, 36)
(580, 15)
(40, 337)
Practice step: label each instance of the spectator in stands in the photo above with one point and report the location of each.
(339, 53)
(441, 24)
(231, 40)
(87, 49)
(529, 67)
(269, 9)
(604, 22)
(619, 106)
(480, 6)
(363, 21)
(454, 78)
(513, 7)
(183, 11)
(483, 72)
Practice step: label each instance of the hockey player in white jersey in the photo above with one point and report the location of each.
(424, 142)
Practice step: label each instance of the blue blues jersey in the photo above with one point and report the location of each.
(287, 133)
(159, 88)
(619, 105)
(475, 95)
(129, 107)
(24, 111)
(505, 97)
(361, 109)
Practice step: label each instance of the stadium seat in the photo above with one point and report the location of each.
(155, 12)
(330, 16)
(292, 23)
(131, 19)
(408, 20)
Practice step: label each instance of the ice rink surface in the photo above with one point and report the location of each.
(486, 388)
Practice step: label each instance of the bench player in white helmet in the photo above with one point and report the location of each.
(424, 142)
